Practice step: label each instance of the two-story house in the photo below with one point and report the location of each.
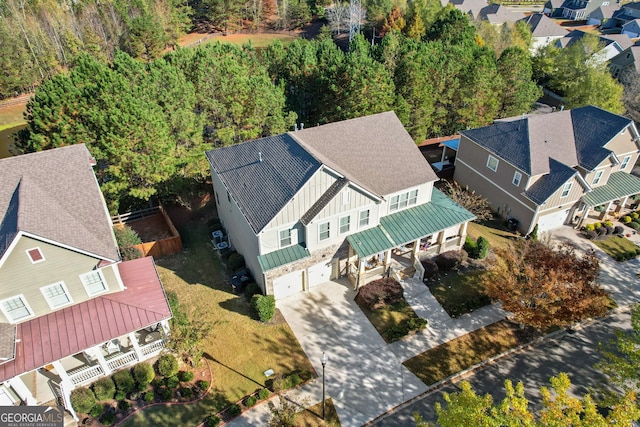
(595, 12)
(544, 30)
(70, 310)
(551, 169)
(309, 206)
(627, 13)
(627, 61)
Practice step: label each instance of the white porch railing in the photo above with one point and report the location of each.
(85, 374)
(154, 347)
(120, 360)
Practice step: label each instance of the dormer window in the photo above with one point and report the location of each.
(35, 255)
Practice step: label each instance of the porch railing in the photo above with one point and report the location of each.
(85, 373)
(153, 347)
(120, 360)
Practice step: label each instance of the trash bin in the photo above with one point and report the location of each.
(512, 224)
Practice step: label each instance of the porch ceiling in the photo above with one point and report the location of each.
(410, 225)
(283, 256)
(620, 185)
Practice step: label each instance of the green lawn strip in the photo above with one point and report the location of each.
(312, 416)
(459, 293)
(497, 237)
(468, 350)
(385, 318)
(258, 41)
(239, 348)
(615, 246)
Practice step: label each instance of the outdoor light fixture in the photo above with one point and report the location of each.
(324, 361)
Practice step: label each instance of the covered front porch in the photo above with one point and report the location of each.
(611, 201)
(398, 243)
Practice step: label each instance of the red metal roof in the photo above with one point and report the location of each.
(71, 330)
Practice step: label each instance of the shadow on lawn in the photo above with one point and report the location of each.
(214, 360)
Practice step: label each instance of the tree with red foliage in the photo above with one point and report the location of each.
(546, 286)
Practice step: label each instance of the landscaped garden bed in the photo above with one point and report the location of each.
(611, 239)
(383, 303)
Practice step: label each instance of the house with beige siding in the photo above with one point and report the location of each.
(552, 169)
(353, 198)
(70, 310)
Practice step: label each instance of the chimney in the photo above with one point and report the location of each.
(260, 156)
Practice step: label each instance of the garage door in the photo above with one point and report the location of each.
(287, 285)
(553, 220)
(320, 273)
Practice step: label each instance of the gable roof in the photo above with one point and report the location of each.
(472, 7)
(499, 14)
(551, 182)
(375, 153)
(621, 58)
(543, 26)
(65, 332)
(54, 195)
(574, 138)
(621, 41)
(635, 22)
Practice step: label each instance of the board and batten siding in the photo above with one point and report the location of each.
(19, 276)
(556, 201)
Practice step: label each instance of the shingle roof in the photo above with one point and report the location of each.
(572, 37)
(543, 26)
(262, 188)
(54, 194)
(65, 332)
(499, 14)
(549, 183)
(323, 200)
(575, 138)
(634, 5)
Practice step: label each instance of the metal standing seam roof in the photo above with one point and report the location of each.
(282, 256)
(409, 225)
(619, 185)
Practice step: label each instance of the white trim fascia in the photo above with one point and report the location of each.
(497, 186)
(572, 203)
(51, 242)
(583, 182)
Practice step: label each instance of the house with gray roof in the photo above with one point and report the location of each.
(330, 201)
(544, 30)
(71, 311)
(611, 44)
(595, 12)
(627, 13)
(627, 61)
(552, 169)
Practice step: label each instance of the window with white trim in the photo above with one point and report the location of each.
(93, 282)
(566, 189)
(35, 255)
(492, 163)
(324, 231)
(57, 295)
(597, 177)
(364, 218)
(401, 201)
(517, 177)
(345, 224)
(285, 238)
(625, 162)
(16, 308)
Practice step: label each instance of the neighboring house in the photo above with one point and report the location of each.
(544, 30)
(612, 44)
(625, 14)
(632, 28)
(595, 12)
(70, 310)
(553, 8)
(335, 200)
(552, 169)
(481, 10)
(470, 7)
(627, 61)
(441, 154)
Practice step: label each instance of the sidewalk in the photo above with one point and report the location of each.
(364, 375)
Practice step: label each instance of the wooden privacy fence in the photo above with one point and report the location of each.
(156, 248)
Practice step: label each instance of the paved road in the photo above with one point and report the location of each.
(573, 353)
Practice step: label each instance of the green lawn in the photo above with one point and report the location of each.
(312, 416)
(239, 348)
(616, 246)
(388, 318)
(498, 238)
(470, 349)
(259, 41)
(459, 293)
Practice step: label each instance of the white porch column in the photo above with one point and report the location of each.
(463, 229)
(165, 326)
(622, 203)
(416, 248)
(23, 391)
(606, 211)
(65, 388)
(361, 270)
(62, 373)
(136, 346)
(387, 260)
(440, 241)
(97, 353)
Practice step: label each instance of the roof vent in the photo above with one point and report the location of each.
(260, 156)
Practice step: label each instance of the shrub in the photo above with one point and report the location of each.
(265, 306)
(202, 385)
(597, 225)
(185, 376)
(591, 234)
(186, 392)
(167, 365)
(124, 381)
(608, 228)
(483, 247)
(417, 323)
(96, 411)
(143, 373)
(250, 401)
(607, 224)
(381, 292)
(451, 259)
(108, 418)
(120, 395)
(534, 233)
(235, 261)
(251, 290)
(263, 394)
(127, 238)
(631, 254)
(471, 246)
(601, 231)
(166, 394)
(172, 382)
(635, 215)
(634, 225)
(83, 399)
(234, 410)
(626, 219)
(430, 268)
(148, 396)
(591, 227)
(124, 405)
(212, 421)
(104, 388)
(618, 230)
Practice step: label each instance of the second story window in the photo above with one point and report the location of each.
(597, 177)
(324, 231)
(56, 295)
(492, 163)
(625, 162)
(93, 282)
(285, 238)
(16, 308)
(566, 189)
(345, 223)
(403, 200)
(517, 177)
(364, 218)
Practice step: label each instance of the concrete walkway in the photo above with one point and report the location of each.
(364, 375)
